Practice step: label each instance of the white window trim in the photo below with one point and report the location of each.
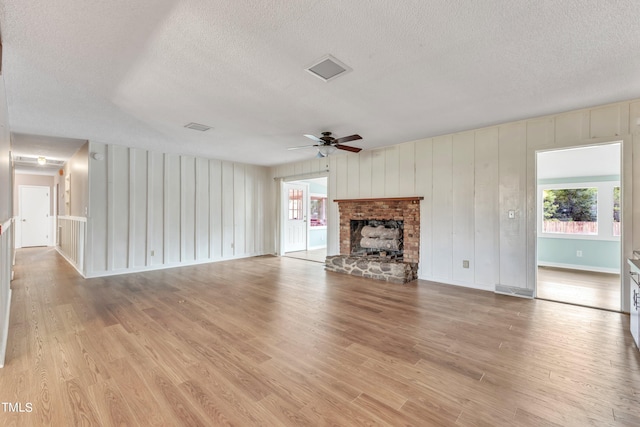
(605, 210)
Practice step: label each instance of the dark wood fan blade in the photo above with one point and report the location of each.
(302, 146)
(347, 148)
(347, 139)
(315, 138)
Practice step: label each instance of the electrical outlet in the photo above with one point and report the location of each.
(579, 254)
(465, 263)
(512, 214)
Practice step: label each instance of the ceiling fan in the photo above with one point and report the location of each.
(327, 144)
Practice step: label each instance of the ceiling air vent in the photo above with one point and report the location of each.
(328, 68)
(197, 126)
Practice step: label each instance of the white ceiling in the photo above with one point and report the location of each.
(135, 72)
(597, 160)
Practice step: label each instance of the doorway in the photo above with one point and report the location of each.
(579, 225)
(305, 219)
(34, 215)
(295, 232)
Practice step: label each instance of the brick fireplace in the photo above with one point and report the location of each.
(399, 265)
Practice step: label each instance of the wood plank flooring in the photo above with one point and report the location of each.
(316, 255)
(588, 288)
(279, 341)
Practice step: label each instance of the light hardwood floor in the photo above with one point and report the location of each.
(316, 255)
(279, 341)
(588, 288)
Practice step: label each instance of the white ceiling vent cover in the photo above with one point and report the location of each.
(197, 126)
(328, 68)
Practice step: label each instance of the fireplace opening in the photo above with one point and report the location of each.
(381, 238)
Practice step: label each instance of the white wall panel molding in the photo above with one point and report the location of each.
(486, 209)
(424, 187)
(391, 171)
(442, 208)
(512, 193)
(227, 210)
(202, 210)
(139, 202)
(110, 206)
(166, 210)
(407, 168)
(366, 162)
(132, 211)
(238, 215)
(378, 173)
(463, 213)
(609, 120)
(188, 208)
(353, 177)
(342, 177)
(215, 209)
(149, 223)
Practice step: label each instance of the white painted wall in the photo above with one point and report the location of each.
(470, 181)
(150, 210)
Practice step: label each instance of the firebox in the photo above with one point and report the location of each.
(383, 238)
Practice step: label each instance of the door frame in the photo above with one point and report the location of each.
(281, 206)
(625, 202)
(19, 231)
(285, 210)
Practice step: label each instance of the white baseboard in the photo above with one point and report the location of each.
(578, 267)
(489, 288)
(167, 266)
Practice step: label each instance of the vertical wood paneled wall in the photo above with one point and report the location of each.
(72, 240)
(6, 261)
(150, 210)
(470, 181)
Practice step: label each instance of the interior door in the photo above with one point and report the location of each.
(296, 217)
(34, 215)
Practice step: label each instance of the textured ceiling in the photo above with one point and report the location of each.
(135, 72)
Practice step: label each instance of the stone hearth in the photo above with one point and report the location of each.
(374, 268)
(405, 211)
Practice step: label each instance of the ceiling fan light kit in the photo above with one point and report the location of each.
(325, 150)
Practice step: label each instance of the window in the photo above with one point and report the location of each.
(570, 211)
(295, 204)
(318, 211)
(616, 211)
